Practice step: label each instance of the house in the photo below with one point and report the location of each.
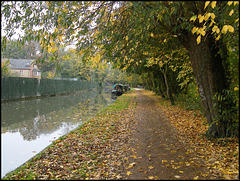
(24, 68)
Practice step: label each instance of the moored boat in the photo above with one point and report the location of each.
(117, 89)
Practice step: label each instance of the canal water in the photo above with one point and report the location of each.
(28, 126)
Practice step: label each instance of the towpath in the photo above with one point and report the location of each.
(155, 150)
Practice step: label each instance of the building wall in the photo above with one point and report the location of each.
(25, 73)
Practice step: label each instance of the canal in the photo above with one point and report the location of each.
(28, 126)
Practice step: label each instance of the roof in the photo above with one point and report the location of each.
(20, 63)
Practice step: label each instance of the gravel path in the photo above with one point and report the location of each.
(156, 151)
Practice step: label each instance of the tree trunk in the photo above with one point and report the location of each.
(211, 78)
(159, 81)
(169, 92)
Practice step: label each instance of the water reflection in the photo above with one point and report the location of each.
(39, 121)
(114, 97)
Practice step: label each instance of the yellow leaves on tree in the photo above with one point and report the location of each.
(206, 4)
(215, 29)
(52, 49)
(211, 16)
(227, 28)
(231, 12)
(201, 18)
(51, 74)
(213, 4)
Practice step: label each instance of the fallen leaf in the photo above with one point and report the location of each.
(129, 173)
(164, 161)
(177, 176)
(195, 178)
(150, 167)
(133, 163)
(150, 177)
(119, 176)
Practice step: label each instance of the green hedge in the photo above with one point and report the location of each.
(19, 87)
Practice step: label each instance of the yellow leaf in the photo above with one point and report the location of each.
(152, 35)
(201, 31)
(214, 28)
(177, 176)
(60, 38)
(150, 167)
(126, 38)
(119, 176)
(224, 29)
(231, 12)
(180, 171)
(49, 49)
(164, 161)
(213, 15)
(194, 30)
(200, 17)
(230, 29)
(235, 88)
(133, 163)
(193, 18)
(150, 177)
(129, 173)
(206, 4)
(54, 49)
(218, 37)
(52, 43)
(206, 17)
(213, 4)
(195, 178)
(198, 39)
(229, 3)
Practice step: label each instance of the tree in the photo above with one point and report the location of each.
(122, 31)
(14, 51)
(5, 68)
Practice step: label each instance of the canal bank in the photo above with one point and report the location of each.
(30, 125)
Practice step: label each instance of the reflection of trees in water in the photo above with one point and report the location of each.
(66, 118)
(31, 131)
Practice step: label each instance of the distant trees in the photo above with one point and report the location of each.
(14, 50)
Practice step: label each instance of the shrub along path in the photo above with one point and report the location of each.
(133, 139)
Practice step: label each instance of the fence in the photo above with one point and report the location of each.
(18, 87)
